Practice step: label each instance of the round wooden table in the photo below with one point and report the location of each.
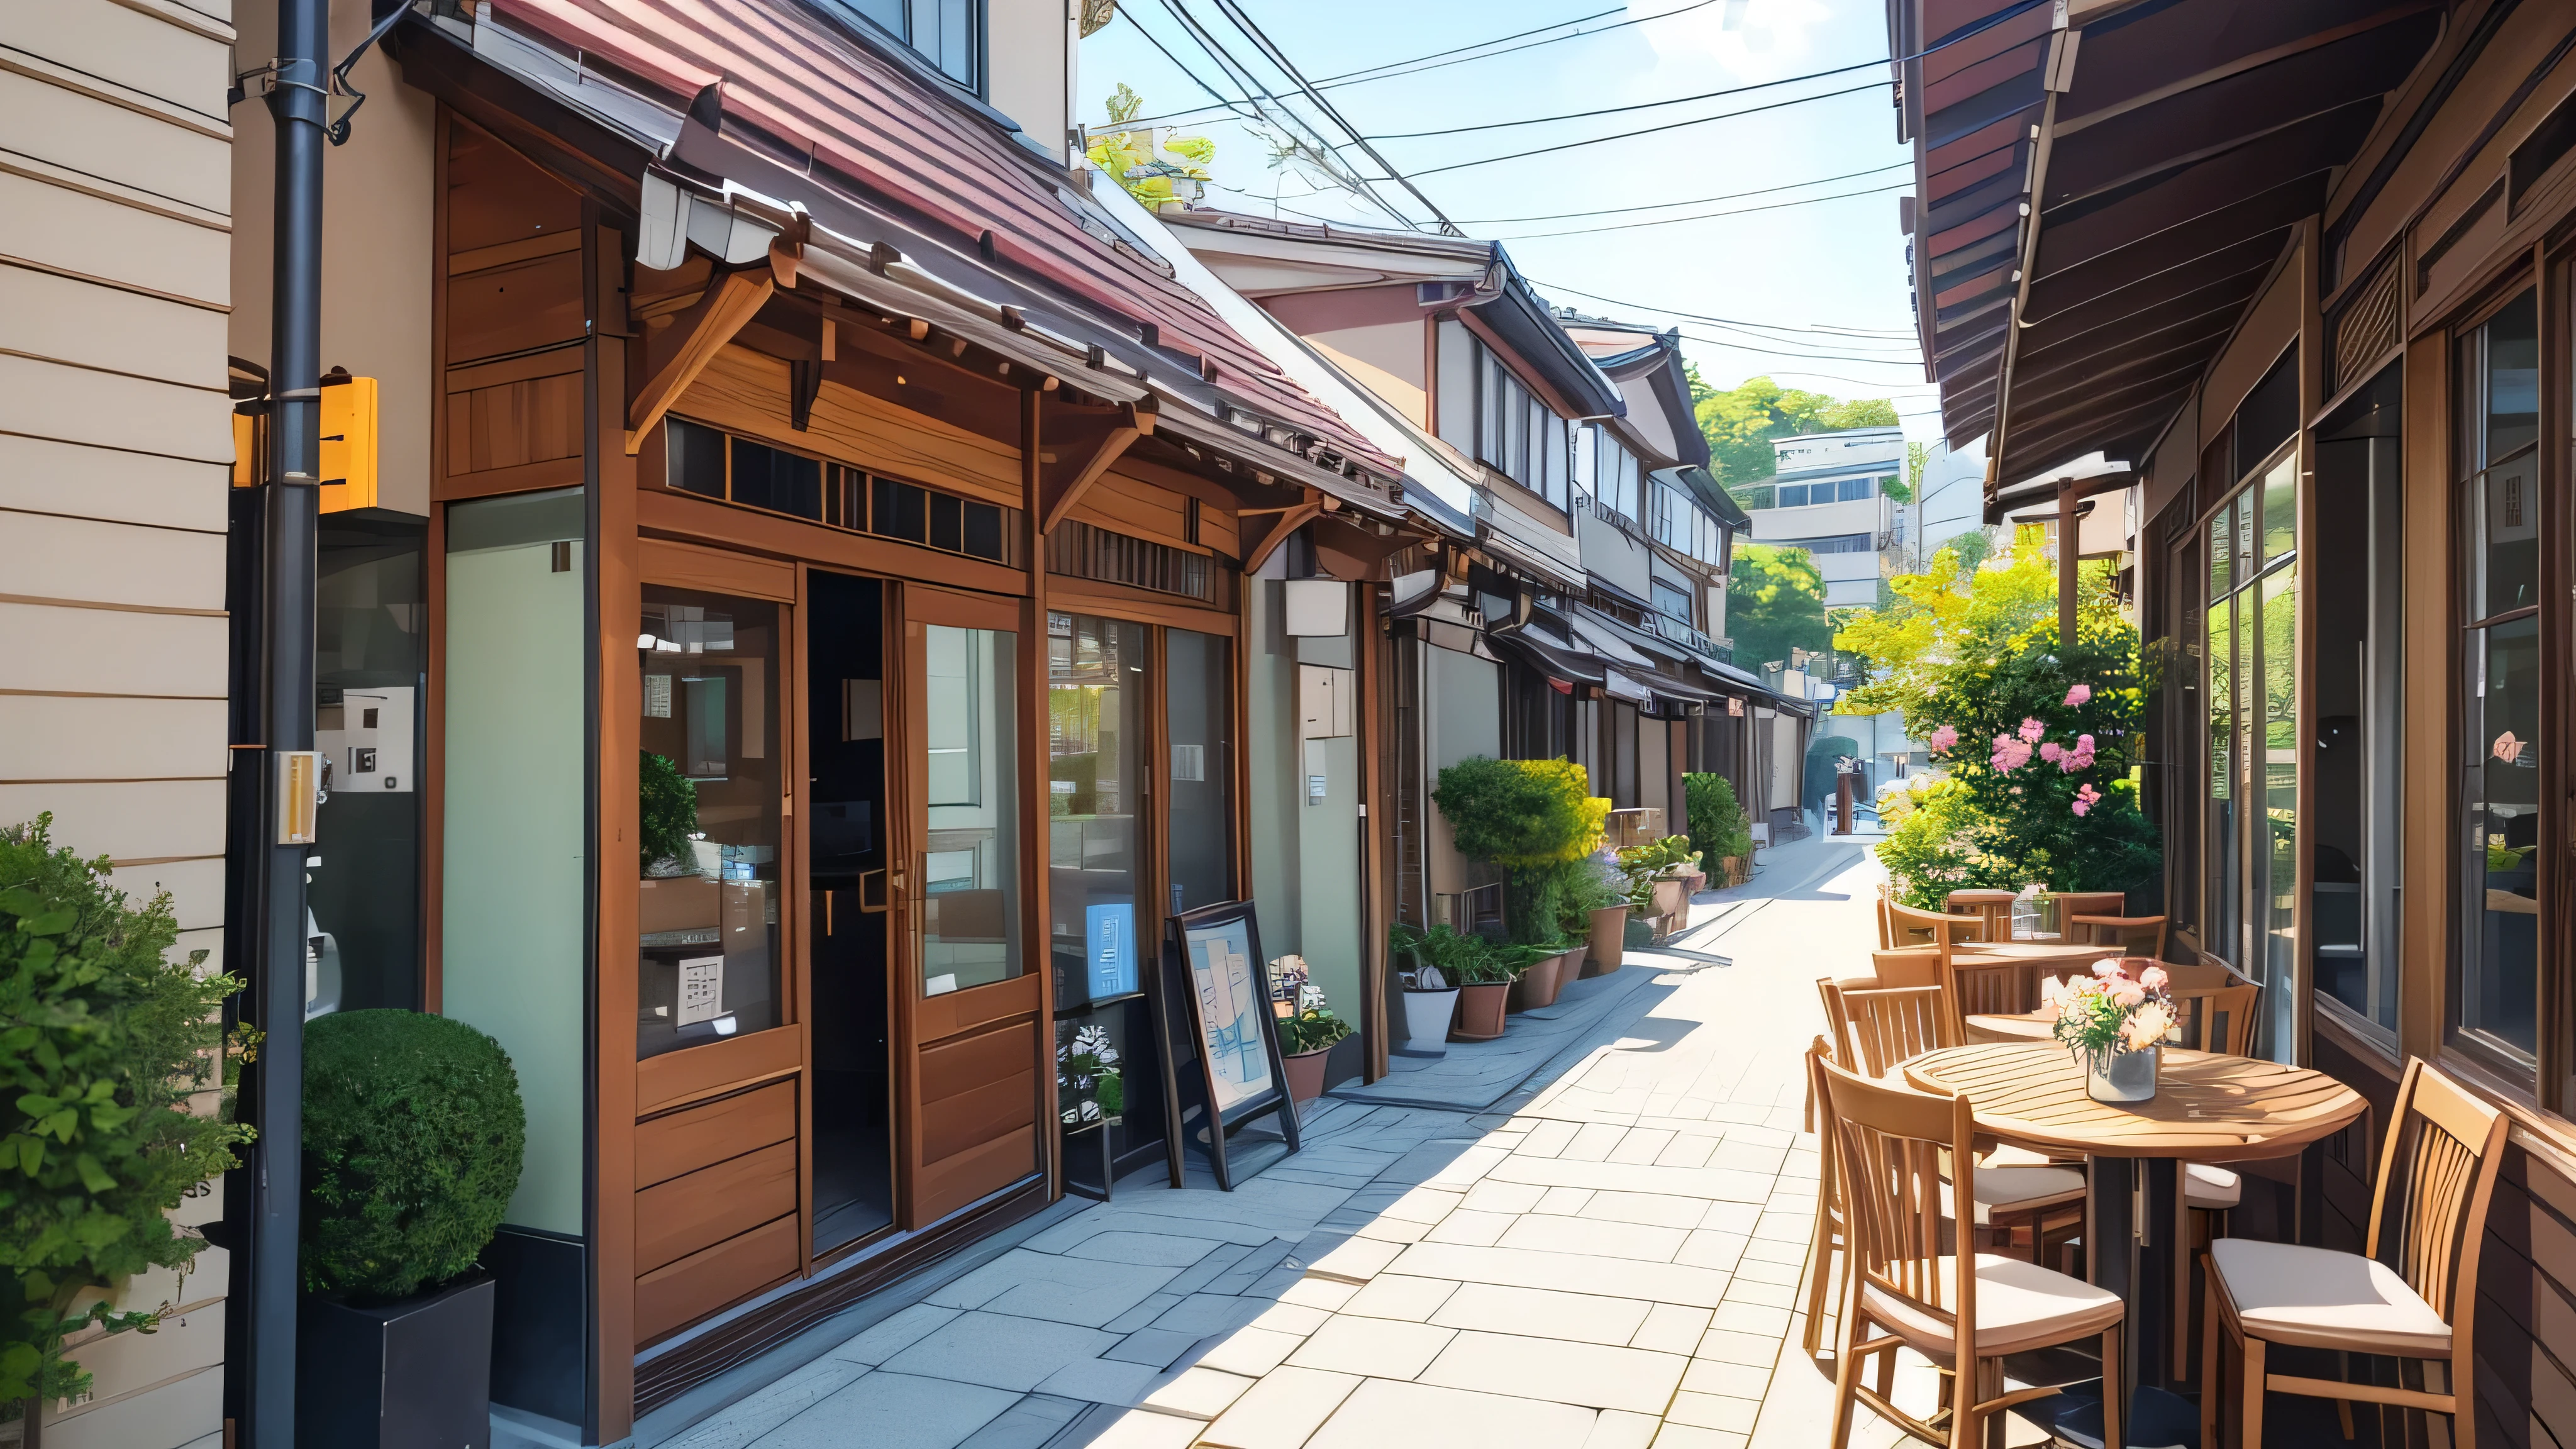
(2207, 1108)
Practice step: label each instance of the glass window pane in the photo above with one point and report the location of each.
(365, 896)
(1199, 711)
(2222, 553)
(693, 458)
(2281, 508)
(2219, 819)
(710, 787)
(1095, 797)
(2500, 958)
(2505, 560)
(970, 871)
(2279, 629)
(2512, 379)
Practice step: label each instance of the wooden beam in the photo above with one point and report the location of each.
(1129, 424)
(703, 331)
(1289, 522)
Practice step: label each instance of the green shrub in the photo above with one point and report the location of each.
(669, 810)
(1534, 818)
(103, 1041)
(1465, 960)
(413, 1133)
(1716, 820)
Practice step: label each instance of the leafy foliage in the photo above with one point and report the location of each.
(1741, 422)
(413, 1134)
(104, 1042)
(1461, 959)
(1718, 827)
(1955, 610)
(1311, 1030)
(1535, 818)
(1146, 162)
(669, 810)
(1775, 602)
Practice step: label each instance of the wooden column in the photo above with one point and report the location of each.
(1039, 933)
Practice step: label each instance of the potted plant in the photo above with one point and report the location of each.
(1307, 1037)
(413, 1135)
(1485, 975)
(2116, 1023)
(1719, 830)
(1594, 910)
(1542, 967)
(104, 1038)
(1537, 819)
(1430, 992)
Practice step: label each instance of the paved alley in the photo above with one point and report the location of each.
(1610, 1258)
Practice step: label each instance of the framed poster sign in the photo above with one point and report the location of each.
(1221, 1035)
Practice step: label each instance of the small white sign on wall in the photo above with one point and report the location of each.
(701, 990)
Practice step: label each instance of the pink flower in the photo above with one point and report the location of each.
(2106, 968)
(2153, 978)
(2032, 729)
(2507, 748)
(2054, 753)
(2129, 995)
(2085, 799)
(2078, 695)
(2010, 754)
(1942, 738)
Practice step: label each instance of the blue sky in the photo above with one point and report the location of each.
(1832, 265)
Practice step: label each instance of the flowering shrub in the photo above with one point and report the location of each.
(2113, 1012)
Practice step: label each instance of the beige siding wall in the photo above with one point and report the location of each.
(115, 442)
(1029, 58)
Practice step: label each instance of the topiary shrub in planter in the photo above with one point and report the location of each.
(413, 1134)
(1537, 819)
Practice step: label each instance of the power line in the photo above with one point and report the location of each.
(1694, 201)
(1649, 130)
(1709, 215)
(1913, 362)
(1349, 77)
(1638, 106)
(1730, 321)
(1239, 108)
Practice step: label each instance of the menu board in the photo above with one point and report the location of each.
(1234, 1003)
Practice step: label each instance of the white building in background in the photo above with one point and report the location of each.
(1828, 496)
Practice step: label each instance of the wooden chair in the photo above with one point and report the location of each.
(1984, 987)
(1907, 966)
(2449, 1146)
(1992, 907)
(1964, 1310)
(1829, 1237)
(2132, 935)
(1910, 927)
(2072, 904)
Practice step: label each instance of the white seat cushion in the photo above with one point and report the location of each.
(2319, 1298)
(2020, 1306)
(2214, 1189)
(2016, 1188)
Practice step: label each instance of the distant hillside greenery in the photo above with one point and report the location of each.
(1740, 423)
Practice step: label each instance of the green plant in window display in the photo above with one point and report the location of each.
(668, 813)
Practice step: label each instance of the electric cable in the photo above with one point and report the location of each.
(1707, 215)
(1650, 130)
(1694, 201)
(1706, 317)
(1636, 106)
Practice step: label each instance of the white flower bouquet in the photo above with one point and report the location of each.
(2115, 1021)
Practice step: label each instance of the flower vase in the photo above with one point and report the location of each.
(2113, 1075)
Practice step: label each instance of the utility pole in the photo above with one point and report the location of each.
(299, 103)
(2066, 550)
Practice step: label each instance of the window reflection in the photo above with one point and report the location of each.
(1096, 685)
(970, 927)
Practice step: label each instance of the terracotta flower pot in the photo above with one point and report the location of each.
(1306, 1074)
(1539, 984)
(1609, 940)
(1569, 967)
(1480, 1011)
(1672, 898)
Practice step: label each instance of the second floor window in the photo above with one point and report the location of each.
(1673, 602)
(1680, 524)
(1832, 490)
(1608, 472)
(945, 32)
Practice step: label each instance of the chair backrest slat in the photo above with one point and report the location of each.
(1910, 927)
(1907, 966)
(2440, 1160)
(1893, 1143)
(1890, 1025)
(2217, 1018)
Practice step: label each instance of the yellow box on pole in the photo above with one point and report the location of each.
(348, 443)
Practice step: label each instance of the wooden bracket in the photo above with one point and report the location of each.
(804, 384)
(1289, 522)
(1086, 464)
(701, 332)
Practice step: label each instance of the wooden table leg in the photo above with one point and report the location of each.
(2110, 1251)
(2160, 1251)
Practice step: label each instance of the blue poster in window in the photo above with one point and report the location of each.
(1109, 937)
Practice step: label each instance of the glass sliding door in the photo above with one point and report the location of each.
(2249, 850)
(1199, 723)
(1096, 796)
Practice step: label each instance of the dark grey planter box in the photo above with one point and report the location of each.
(410, 1375)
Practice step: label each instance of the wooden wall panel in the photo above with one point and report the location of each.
(705, 1207)
(705, 1281)
(695, 1137)
(515, 308)
(1139, 510)
(532, 421)
(746, 392)
(978, 1116)
(953, 1182)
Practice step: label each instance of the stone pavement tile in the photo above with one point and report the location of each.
(1028, 1424)
(1356, 1260)
(1707, 1248)
(1393, 1295)
(884, 1410)
(1642, 1145)
(1258, 1206)
(1384, 1413)
(1791, 1202)
(1321, 1293)
(1736, 1317)
(1424, 1205)
(1252, 1267)
(1201, 1314)
(1785, 1227)
(1714, 1411)
(1748, 1156)
(1619, 1429)
(1594, 1236)
(1290, 1318)
(1778, 1250)
(894, 1334)
(1762, 1271)
(1116, 1428)
(1490, 1196)
(1545, 1313)
(1759, 1350)
(1281, 1411)
(1732, 1217)
(1155, 1346)
(1653, 1208)
(1377, 1347)
(1208, 1269)
(1593, 1142)
(1101, 1380)
(1251, 1352)
(1701, 1182)
(1042, 1285)
(1736, 1380)
(1547, 1139)
(740, 1423)
(1687, 1436)
(1566, 1201)
(999, 1350)
(1142, 1314)
(1597, 1376)
(1196, 1392)
(1671, 1328)
(1290, 1172)
(1686, 1150)
(1157, 1250)
(1470, 1226)
(1459, 1172)
(1769, 1295)
(1277, 1281)
(1522, 1268)
(1392, 1230)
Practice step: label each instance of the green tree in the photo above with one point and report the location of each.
(1741, 422)
(1954, 612)
(1775, 601)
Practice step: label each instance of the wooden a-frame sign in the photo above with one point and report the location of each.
(1220, 1038)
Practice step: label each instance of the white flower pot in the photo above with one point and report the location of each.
(1426, 1019)
(2118, 1076)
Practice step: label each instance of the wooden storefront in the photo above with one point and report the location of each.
(939, 616)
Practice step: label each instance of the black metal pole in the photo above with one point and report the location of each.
(299, 103)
